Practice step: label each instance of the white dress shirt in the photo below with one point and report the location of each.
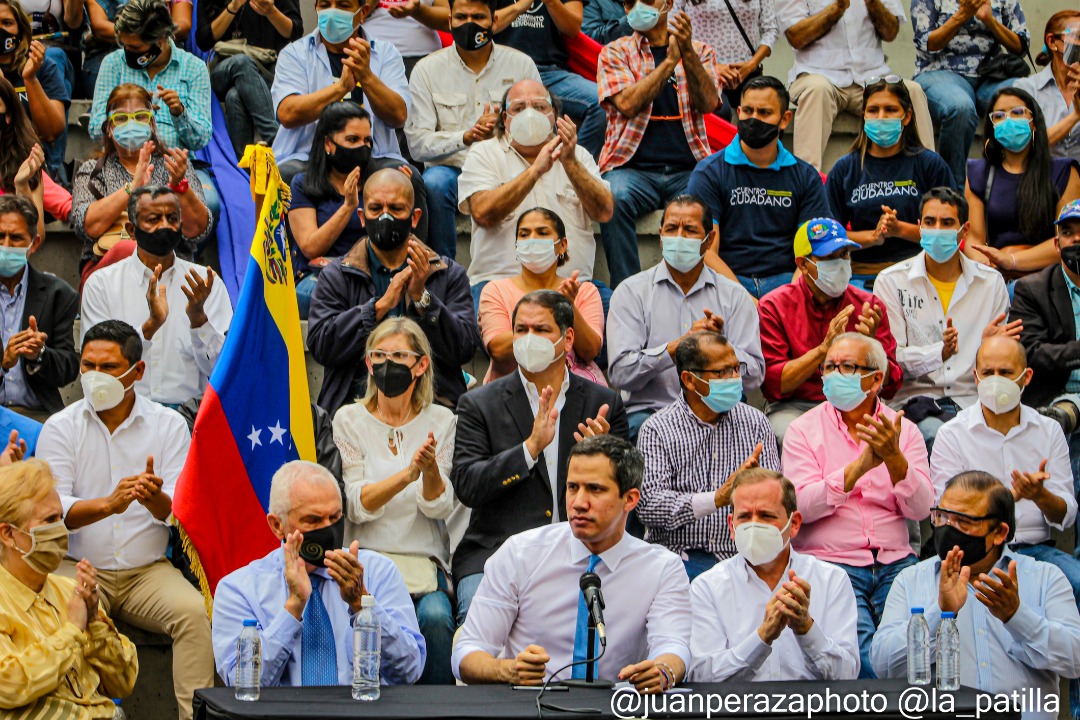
(179, 359)
(494, 162)
(89, 463)
(967, 443)
(551, 459)
(849, 53)
(530, 593)
(408, 524)
(448, 98)
(917, 321)
(729, 601)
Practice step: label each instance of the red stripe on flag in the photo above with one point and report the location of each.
(215, 501)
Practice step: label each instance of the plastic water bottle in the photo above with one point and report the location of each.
(118, 713)
(918, 649)
(367, 647)
(248, 662)
(948, 653)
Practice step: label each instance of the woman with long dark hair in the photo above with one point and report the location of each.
(21, 159)
(876, 188)
(1057, 97)
(1016, 192)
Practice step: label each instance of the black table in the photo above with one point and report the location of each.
(880, 699)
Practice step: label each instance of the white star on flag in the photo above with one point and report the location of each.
(277, 432)
(254, 437)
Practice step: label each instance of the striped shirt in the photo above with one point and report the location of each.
(686, 460)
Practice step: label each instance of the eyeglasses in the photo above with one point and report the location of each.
(1017, 113)
(963, 522)
(539, 104)
(844, 368)
(139, 116)
(724, 373)
(888, 79)
(402, 357)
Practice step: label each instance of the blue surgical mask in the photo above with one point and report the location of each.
(1013, 134)
(12, 260)
(884, 132)
(940, 245)
(336, 26)
(843, 391)
(723, 394)
(681, 253)
(131, 135)
(642, 17)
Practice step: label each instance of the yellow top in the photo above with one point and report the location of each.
(49, 668)
(944, 291)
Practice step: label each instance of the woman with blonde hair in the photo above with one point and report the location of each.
(396, 452)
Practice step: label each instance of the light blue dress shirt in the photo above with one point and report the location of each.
(304, 67)
(1039, 644)
(259, 591)
(14, 390)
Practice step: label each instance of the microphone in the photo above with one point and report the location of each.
(594, 601)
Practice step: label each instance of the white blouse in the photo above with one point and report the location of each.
(408, 524)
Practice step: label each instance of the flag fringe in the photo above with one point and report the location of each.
(196, 568)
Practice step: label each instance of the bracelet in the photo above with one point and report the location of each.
(1014, 260)
(230, 11)
(128, 189)
(668, 673)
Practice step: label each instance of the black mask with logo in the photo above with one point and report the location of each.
(1070, 258)
(471, 36)
(391, 378)
(346, 159)
(144, 59)
(9, 42)
(973, 546)
(160, 242)
(317, 543)
(757, 133)
(388, 232)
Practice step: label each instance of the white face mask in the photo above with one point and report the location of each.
(999, 394)
(535, 353)
(530, 127)
(833, 276)
(536, 254)
(103, 391)
(759, 543)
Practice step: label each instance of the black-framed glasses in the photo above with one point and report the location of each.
(723, 373)
(963, 522)
(844, 368)
(1020, 112)
(888, 79)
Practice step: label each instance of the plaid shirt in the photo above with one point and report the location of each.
(623, 63)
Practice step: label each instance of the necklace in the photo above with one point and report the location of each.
(394, 436)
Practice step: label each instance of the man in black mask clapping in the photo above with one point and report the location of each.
(390, 273)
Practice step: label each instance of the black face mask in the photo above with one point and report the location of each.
(973, 546)
(144, 59)
(316, 543)
(757, 133)
(471, 36)
(387, 232)
(8, 43)
(1070, 258)
(160, 242)
(391, 378)
(345, 159)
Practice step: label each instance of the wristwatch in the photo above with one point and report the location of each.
(424, 302)
(181, 187)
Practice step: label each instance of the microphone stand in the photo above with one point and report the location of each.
(590, 667)
(541, 706)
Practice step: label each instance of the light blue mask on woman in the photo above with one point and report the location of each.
(1013, 134)
(335, 25)
(131, 135)
(723, 394)
(884, 132)
(940, 245)
(843, 391)
(12, 260)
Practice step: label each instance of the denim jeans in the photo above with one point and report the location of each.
(956, 101)
(476, 290)
(90, 67)
(436, 619)
(581, 101)
(761, 285)
(55, 151)
(697, 562)
(636, 420)
(238, 83)
(304, 290)
(871, 585)
(636, 192)
(930, 425)
(465, 591)
(442, 188)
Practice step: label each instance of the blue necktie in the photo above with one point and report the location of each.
(318, 654)
(581, 635)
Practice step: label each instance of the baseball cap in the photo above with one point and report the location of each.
(1069, 212)
(823, 236)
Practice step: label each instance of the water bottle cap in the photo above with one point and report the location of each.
(116, 701)
(251, 623)
(916, 611)
(367, 601)
(947, 615)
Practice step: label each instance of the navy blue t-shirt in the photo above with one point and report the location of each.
(664, 145)
(757, 209)
(323, 212)
(52, 82)
(858, 187)
(1003, 219)
(533, 32)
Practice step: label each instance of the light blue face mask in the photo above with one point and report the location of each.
(940, 245)
(884, 132)
(1013, 134)
(681, 253)
(843, 391)
(723, 394)
(12, 260)
(642, 18)
(336, 26)
(131, 135)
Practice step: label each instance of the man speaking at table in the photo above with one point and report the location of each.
(305, 610)
(530, 592)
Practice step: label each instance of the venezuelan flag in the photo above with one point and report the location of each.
(256, 413)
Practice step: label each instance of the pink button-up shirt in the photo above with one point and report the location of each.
(844, 527)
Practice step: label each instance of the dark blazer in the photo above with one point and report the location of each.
(54, 304)
(1042, 301)
(490, 474)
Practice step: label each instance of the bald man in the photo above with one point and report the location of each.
(390, 273)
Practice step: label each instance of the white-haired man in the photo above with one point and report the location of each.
(305, 622)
